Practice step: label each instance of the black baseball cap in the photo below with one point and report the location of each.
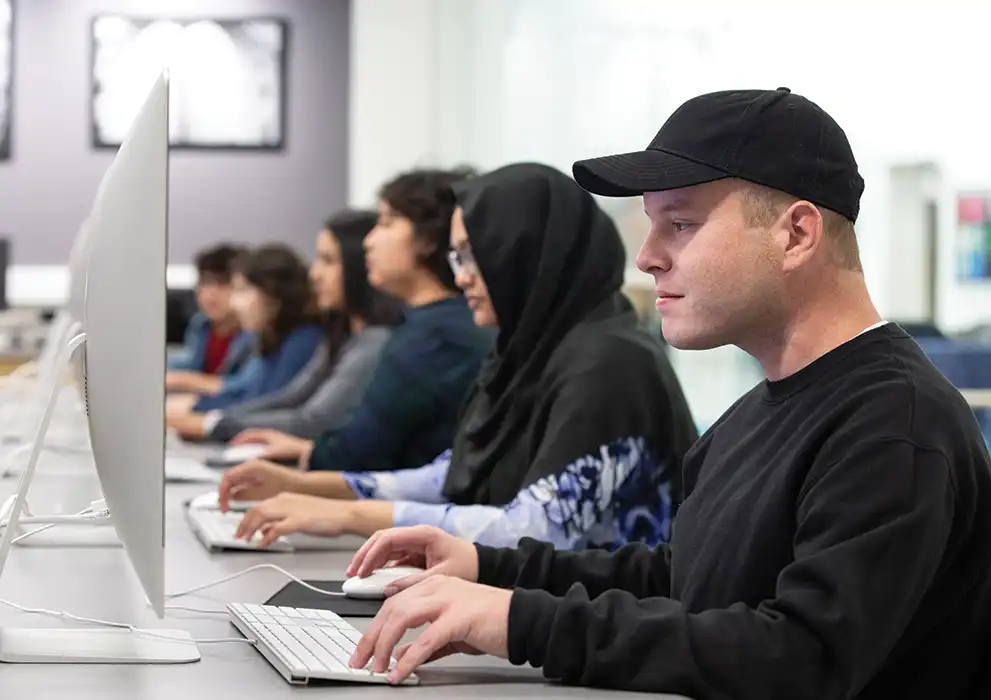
(773, 138)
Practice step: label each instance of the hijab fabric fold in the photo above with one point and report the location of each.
(551, 259)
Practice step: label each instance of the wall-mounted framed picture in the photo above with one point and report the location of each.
(973, 237)
(228, 79)
(6, 75)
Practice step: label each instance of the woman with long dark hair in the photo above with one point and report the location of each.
(274, 300)
(409, 412)
(358, 322)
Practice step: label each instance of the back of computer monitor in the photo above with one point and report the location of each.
(123, 363)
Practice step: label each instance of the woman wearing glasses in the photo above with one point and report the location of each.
(576, 427)
(409, 411)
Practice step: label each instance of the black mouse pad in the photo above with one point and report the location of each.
(292, 595)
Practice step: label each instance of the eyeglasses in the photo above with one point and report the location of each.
(461, 259)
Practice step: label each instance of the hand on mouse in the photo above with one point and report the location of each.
(422, 546)
(463, 617)
(255, 480)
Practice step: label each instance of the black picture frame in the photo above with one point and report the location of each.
(7, 10)
(233, 27)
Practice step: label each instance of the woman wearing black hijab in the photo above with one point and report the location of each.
(576, 427)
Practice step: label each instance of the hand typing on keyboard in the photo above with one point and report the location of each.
(463, 617)
(295, 512)
(304, 644)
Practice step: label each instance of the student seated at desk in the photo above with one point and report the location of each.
(359, 320)
(409, 412)
(835, 538)
(215, 348)
(273, 299)
(576, 428)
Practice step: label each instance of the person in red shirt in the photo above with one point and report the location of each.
(215, 346)
(218, 344)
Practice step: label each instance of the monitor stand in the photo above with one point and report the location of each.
(96, 646)
(71, 536)
(87, 645)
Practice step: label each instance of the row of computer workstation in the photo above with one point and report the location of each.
(93, 476)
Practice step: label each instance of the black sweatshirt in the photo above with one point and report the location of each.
(835, 542)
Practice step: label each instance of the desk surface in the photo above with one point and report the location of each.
(100, 583)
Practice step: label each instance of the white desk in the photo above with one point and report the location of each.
(99, 583)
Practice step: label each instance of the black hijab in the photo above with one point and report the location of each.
(550, 258)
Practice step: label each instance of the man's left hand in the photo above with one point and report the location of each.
(463, 617)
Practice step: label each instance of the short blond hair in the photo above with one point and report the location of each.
(763, 205)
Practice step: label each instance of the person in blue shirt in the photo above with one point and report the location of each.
(577, 426)
(409, 412)
(358, 321)
(215, 347)
(274, 300)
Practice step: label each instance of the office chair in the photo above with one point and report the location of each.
(180, 305)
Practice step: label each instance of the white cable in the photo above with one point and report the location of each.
(85, 518)
(202, 611)
(257, 567)
(17, 539)
(117, 625)
(102, 513)
(32, 532)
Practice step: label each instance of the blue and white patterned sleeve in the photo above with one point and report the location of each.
(423, 485)
(600, 500)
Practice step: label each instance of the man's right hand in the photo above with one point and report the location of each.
(278, 446)
(422, 546)
(256, 480)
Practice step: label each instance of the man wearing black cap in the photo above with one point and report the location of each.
(835, 539)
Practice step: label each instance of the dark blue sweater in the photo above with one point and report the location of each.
(268, 373)
(409, 412)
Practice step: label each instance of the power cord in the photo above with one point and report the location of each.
(251, 569)
(86, 513)
(116, 625)
(96, 512)
(98, 509)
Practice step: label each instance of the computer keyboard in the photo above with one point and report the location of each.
(216, 530)
(303, 644)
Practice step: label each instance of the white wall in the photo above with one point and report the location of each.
(557, 80)
(49, 183)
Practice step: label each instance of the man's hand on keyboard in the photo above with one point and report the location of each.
(422, 546)
(295, 512)
(255, 480)
(463, 617)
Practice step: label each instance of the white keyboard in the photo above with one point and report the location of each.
(216, 531)
(305, 645)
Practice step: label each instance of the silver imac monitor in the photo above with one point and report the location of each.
(117, 355)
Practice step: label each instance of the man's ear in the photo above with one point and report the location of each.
(803, 224)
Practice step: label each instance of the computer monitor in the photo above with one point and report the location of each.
(25, 400)
(117, 304)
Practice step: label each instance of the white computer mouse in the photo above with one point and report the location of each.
(373, 587)
(210, 501)
(242, 453)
